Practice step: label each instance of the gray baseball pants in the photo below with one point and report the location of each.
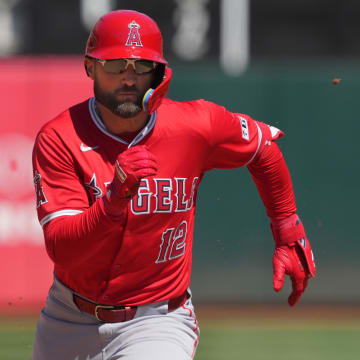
(65, 333)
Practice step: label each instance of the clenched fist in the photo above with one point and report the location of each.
(130, 167)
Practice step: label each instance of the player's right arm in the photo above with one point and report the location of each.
(73, 230)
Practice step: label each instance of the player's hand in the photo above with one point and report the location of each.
(292, 256)
(130, 167)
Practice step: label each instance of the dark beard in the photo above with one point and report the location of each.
(124, 109)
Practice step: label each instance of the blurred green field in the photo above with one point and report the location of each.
(16, 337)
(280, 333)
(251, 333)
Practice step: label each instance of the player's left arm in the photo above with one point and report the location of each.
(236, 140)
(293, 255)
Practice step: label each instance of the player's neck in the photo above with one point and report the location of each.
(117, 125)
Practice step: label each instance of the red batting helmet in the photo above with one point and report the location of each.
(125, 34)
(129, 34)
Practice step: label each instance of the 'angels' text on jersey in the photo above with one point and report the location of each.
(170, 195)
(156, 195)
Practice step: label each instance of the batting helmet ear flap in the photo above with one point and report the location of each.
(153, 97)
(159, 74)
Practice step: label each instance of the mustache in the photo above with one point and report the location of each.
(131, 89)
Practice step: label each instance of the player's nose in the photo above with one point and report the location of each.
(128, 76)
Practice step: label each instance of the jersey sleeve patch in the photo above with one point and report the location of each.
(260, 136)
(244, 128)
(39, 191)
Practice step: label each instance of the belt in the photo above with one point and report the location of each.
(114, 314)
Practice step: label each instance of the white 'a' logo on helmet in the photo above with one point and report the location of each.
(134, 36)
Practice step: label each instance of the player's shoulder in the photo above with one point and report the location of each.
(200, 109)
(188, 105)
(64, 121)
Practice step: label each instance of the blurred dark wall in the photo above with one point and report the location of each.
(297, 28)
(305, 28)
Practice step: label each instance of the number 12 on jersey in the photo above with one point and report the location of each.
(173, 243)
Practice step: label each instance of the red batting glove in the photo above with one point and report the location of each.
(292, 256)
(130, 167)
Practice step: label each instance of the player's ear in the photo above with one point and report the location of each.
(89, 67)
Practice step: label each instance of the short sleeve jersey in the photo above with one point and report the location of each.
(73, 159)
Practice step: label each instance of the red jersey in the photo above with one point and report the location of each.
(147, 255)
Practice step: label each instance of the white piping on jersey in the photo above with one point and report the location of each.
(52, 216)
(100, 125)
(258, 146)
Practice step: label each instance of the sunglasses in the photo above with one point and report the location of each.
(118, 66)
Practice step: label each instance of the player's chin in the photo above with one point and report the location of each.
(128, 109)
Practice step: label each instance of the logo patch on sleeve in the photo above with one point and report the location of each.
(244, 128)
(39, 191)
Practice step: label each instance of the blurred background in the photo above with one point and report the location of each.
(274, 60)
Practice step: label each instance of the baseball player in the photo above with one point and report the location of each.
(116, 179)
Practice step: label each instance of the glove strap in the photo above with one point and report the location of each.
(118, 195)
(120, 183)
(288, 235)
